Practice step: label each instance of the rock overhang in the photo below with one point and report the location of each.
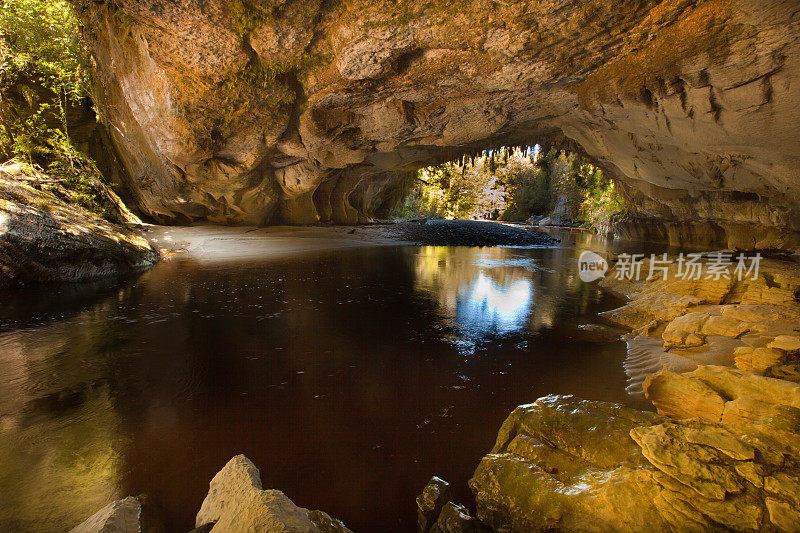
(302, 112)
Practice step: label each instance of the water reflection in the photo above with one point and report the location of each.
(483, 294)
(488, 306)
(494, 292)
(338, 373)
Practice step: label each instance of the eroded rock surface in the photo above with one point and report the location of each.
(46, 239)
(721, 454)
(679, 323)
(575, 465)
(298, 111)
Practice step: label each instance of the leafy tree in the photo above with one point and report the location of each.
(515, 183)
(44, 85)
(42, 74)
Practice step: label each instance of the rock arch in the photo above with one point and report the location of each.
(300, 111)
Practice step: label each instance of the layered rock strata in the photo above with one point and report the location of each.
(679, 322)
(575, 465)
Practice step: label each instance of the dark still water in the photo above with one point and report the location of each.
(349, 377)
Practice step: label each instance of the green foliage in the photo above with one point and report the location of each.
(42, 73)
(246, 16)
(515, 183)
(601, 203)
(43, 36)
(43, 76)
(79, 176)
(458, 190)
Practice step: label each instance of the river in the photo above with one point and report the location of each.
(348, 376)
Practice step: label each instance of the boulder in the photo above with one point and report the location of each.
(565, 463)
(121, 516)
(575, 465)
(45, 239)
(429, 504)
(237, 502)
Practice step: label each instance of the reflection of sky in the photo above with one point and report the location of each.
(485, 308)
(482, 294)
(489, 307)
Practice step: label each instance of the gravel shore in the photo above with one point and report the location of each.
(469, 233)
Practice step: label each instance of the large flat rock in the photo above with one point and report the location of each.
(45, 239)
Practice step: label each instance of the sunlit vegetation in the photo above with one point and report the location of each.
(44, 87)
(515, 184)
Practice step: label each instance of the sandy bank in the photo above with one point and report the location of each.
(216, 243)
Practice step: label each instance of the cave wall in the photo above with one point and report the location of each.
(301, 111)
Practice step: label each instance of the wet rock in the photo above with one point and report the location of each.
(44, 239)
(455, 518)
(705, 391)
(429, 504)
(326, 523)
(783, 515)
(708, 321)
(573, 465)
(758, 359)
(559, 463)
(785, 343)
(237, 502)
(121, 516)
(679, 396)
(732, 397)
(598, 333)
(656, 306)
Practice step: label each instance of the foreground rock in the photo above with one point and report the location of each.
(121, 516)
(437, 514)
(305, 110)
(45, 239)
(574, 465)
(236, 502)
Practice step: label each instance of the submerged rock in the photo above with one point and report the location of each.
(45, 239)
(598, 333)
(236, 502)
